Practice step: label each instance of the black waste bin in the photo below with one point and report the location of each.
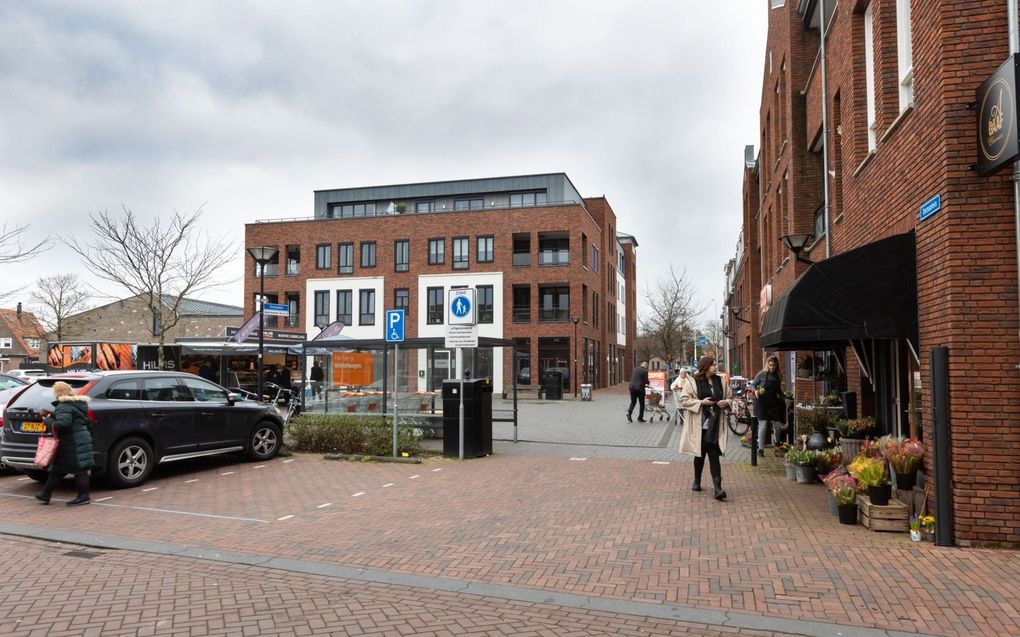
(477, 418)
(849, 405)
(552, 383)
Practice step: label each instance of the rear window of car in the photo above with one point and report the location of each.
(40, 394)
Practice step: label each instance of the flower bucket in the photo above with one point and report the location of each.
(906, 481)
(850, 447)
(848, 514)
(927, 536)
(804, 474)
(791, 471)
(915, 536)
(879, 495)
(833, 507)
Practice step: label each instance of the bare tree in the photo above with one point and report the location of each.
(59, 298)
(672, 311)
(15, 247)
(162, 263)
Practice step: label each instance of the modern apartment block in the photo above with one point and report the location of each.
(537, 252)
(914, 249)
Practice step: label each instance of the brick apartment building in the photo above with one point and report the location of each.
(888, 287)
(538, 253)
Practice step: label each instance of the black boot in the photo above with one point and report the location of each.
(80, 500)
(719, 493)
(697, 484)
(42, 497)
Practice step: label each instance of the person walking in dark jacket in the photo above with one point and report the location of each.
(70, 423)
(638, 382)
(769, 401)
(316, 378)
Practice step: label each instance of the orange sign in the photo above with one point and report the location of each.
(108, 356)
(657, 381)
(353, 369)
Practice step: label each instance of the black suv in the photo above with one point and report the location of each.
(141, 419)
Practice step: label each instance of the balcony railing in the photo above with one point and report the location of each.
(293, 268)
(522, 258)
(554, 257)
(521, 314)
(554, 315)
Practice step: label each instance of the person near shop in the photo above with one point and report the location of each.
(207, 372)
(285, 377)
(675, 387)
(704, 397)
(316, 378)
(70, 424)
(769, 401)
(638, 382)
(273, 376)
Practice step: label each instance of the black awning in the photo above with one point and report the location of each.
(867, 293)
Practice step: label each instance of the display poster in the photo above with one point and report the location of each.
(657, 381)
(79, 356)
(353, 369)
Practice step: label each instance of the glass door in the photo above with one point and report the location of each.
(440, 368)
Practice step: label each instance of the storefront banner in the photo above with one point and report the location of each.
(353, 369)
(998, 141)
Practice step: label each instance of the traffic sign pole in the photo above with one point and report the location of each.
(396, 366)
(394, 333)
(460, 372)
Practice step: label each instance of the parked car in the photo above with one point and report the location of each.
(141, 419)
(26, 374)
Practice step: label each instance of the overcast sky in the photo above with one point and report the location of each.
(246, 108)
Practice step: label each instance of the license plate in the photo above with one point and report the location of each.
(33, 427)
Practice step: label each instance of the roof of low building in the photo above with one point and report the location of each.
(195, 307)
(22, 327)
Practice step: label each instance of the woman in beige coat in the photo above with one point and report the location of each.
(704, 397)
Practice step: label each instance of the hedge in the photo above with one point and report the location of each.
(351, 434)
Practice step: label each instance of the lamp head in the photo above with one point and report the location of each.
(575, 319)
(262, 254)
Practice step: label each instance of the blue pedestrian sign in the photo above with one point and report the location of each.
(394, 326)
(702, 341)
(462, 307)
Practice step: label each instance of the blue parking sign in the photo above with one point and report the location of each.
(394, 326)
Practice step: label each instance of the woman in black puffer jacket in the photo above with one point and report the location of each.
(70, 422)
(769, 401)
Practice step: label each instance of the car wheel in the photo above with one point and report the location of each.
(264, 442)
(130, 463)
(39, 475)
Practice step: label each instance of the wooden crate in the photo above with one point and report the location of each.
(892, 517)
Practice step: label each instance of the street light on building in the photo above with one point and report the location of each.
(262, 256)
(575, 320)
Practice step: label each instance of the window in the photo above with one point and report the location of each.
(401, 299)
(554, 303)
(460, 253)
(124, 390)
(584, 250)
(522, 249)
(869, 72)
(272, 267)
(323, 256)
(366, 307)
(553, 249)
(468, 204)
(271, 321)
(368, 254)
(344, 306)
(205, 392)
(595, 309)
(584, 303)
(345, 258)
(904, 54)
(164, 390)
(435, 306)
(485, 304)
(522, 304)
(33, 343)
(6, 343)
(349, 210)
(594, 259)
(322, 308)
(484, 253)
(437, 254)
(423, 206)
(524, 199)
(401, 255)
(293, 259)
(293, 308)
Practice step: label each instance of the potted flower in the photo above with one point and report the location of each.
(836, 477)
(915, 528)
(904, 456)
(803, 461)
(826, 460)
(927, 528)
(791, 469)
(870, 473)
(845, 495)
(816, 420)
(851, 433)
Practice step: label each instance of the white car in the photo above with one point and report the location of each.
(26, 374)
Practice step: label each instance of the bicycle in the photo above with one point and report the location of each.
(740, 418)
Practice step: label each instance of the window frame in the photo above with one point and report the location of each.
(366, 297)
(869, 75)
(406, 306)
(349, 294)
(481, 291)
(432, 316)
(317, 305)
(341, 268)
(402, 247)
(370, 246)
(490, 251)
(320, 263)
(440, 254)
(904, 55)
(463, 261)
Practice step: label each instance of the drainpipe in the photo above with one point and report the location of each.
(1014, 47)
(825, 132)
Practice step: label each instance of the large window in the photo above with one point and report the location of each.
(437, 251)
(485, 254)
(345, 258)
(423, 206)
(401, 299)
(402, 255)
(368, 254)
(524, 199)
(345, 306)
(353, 210)
(293, 259)
(484, 304)
(522, 304)
(553, 249)
(474, 203)
(322, 308)
(366, 307)
(904, 54)
(522, 249)
(323, 256)
(435, 306)
(460, 253)
(554, 303)
(595, 259)
(869, 73)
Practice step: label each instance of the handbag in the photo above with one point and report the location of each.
(46, 450)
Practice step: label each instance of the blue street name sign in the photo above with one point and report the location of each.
(275, 309)
(394, 326)
(930, 207)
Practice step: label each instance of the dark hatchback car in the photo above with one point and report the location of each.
(141, 419)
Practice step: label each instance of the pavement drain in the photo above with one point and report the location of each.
(88, 555)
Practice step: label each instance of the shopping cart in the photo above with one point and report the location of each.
(655, 406)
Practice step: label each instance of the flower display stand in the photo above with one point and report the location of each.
(850, 448)
(892, 517)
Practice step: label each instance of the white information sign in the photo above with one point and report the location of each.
(461, 307)
(461, 336)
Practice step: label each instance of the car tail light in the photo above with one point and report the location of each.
(85, 389)
(92, 417)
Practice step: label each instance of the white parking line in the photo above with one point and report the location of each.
(439, 469)
(414, 477)
(660, 462)
(190, 481)
(578, 459)
(261, 466)
(388, 484)
(109, 497)
(323, 506)
(286, 517)
(286, 461)
(149, 489)
(228, 473)
(358, 494)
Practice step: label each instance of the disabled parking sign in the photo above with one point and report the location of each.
(461, 307)
(394, 326)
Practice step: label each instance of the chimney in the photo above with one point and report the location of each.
(19, 310)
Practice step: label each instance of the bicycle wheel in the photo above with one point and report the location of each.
(738, 426)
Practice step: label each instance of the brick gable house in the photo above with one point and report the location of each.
(21, 337)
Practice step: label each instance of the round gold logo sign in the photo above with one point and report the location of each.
(996, 120)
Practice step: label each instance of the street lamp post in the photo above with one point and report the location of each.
(575, 320)
(262, 256)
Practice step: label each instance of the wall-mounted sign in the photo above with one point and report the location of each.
(930, 207)
(998, 141)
